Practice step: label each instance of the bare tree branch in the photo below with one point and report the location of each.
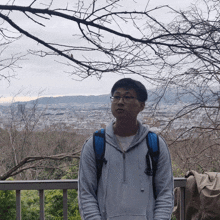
(18, 168)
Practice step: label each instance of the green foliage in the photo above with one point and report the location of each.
(30, 206)
(73, 209)
(53, 205)
(7, 205)
(72, 171)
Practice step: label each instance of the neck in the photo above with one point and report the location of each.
(125, 128)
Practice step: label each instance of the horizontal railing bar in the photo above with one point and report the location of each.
(58, 184)
(179, 182)
(38, 184)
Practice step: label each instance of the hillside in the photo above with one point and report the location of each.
(168, 99)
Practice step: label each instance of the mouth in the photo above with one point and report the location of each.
(120, 110)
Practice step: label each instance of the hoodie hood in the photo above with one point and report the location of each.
(111, 138)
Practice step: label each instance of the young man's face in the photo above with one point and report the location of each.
(126, 108)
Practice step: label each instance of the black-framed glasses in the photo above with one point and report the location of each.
(126, 98)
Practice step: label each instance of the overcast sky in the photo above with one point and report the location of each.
(45, 77)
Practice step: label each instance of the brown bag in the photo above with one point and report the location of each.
(202, 197)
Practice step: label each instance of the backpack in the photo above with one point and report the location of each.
(151, 157)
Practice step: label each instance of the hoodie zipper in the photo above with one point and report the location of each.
(123, 153)
(124, 176)
(124, 167)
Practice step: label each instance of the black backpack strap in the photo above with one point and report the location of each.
(99, 148)
(152, 156)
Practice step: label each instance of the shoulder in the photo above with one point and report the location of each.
(162, 141)
(154, 136)
(163, 148)
(159, 137)
(87, 149)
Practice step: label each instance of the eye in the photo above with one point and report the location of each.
(116, 97)
(128, 97)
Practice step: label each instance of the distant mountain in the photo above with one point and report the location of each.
(169, 98)
(72, 99)
(154, 96)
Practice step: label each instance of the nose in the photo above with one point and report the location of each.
(121, 100)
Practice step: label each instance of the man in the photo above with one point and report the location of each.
(124, 191)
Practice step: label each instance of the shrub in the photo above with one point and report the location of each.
(30, 205)
(7, 205)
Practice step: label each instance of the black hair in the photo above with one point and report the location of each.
(129, 83)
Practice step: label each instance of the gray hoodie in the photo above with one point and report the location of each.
(124, 191)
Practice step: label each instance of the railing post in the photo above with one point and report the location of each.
(18, 205)
(41, 194)
(182, 203)
(65, 208)
(181, 183)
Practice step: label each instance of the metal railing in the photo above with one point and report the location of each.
(64, 185)
(181, 182)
